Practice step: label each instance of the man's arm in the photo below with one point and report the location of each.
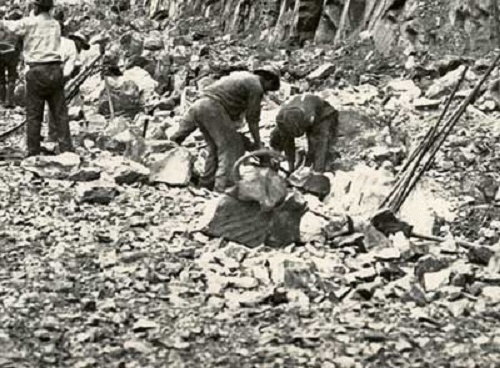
(17, 27)
(78, 66)
(187, 125)
(70, 56)
(253, 116)
(289, 148)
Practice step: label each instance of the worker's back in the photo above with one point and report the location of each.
(233, 91)
(41, 37)
(312, 109)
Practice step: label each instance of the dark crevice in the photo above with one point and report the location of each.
(397, 5)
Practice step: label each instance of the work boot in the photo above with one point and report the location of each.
(2, 93)
(9, 101)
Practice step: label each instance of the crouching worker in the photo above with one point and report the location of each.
(216, 113)
(310, 115)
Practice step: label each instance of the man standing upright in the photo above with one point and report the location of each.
(44, 80)
(216, 114)
(9, 61)
(71, 47)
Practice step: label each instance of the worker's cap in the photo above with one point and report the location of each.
(44, 3)
(271, 73)
(83, 39)
(269, 70)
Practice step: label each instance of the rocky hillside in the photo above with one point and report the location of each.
(411, 26)
(105, 260)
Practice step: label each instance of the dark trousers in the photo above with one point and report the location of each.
(225, 144)
(8, 69)
(45, 83)
(8, 76)
(320, 144)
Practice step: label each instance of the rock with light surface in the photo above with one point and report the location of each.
(492, 294)
(75, 113)
(174, 168)
(52, 167)
(349, 190)
(345, 362)
(242, 282)
(137, 346)
(405, 89)
(95, 122)
(143, 80)
(387, 254)
(443, 85)
(321, 72)
(144, 324)
(433, 281)
(311, 228)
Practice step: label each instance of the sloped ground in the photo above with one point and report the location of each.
(124, 286)
(130, 284)
(133, 284)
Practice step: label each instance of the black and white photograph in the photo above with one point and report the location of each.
(250, 183)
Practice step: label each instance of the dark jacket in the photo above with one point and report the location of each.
(238, 92)
(310, 115)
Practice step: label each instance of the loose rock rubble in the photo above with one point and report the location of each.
(105, 262)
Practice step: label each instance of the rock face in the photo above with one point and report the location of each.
(392, 25)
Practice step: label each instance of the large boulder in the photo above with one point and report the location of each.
(445, 84)
(246, 223)
(143, 80)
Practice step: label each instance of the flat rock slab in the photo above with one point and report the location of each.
(174, 169)
(52, 167)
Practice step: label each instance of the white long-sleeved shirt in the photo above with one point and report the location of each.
(69, 55)
(42, 37)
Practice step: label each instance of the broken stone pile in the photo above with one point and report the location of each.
(141, 264)
(105, 259)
